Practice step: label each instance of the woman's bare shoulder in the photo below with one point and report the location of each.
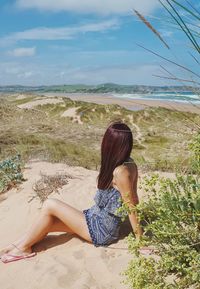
(129, 168)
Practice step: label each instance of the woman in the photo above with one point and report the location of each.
(100, 224)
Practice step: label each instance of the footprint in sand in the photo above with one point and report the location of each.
(77, 279)
(78, 254)
(108, 254)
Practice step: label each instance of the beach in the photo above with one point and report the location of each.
(100, 106)
(59, 134)
(131, 104)
(62, 260)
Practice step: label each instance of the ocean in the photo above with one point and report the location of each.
(184, 97)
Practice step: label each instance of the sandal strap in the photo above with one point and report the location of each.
(18, 249)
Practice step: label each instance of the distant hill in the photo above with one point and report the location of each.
(101, 88)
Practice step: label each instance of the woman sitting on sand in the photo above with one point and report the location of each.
(100, 224)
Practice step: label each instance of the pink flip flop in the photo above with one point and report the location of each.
(7, 258)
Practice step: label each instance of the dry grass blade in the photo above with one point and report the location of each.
(193, 7)
(194, 57)
(176, 79)
(179, 20)
(173, 77)
(170, 61)
(49, 184)
(188, 10)
(183, 25)
(184, 80)
(149, 25)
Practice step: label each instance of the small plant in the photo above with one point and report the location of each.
(10, 173)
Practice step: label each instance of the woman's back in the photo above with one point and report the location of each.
(103, 218)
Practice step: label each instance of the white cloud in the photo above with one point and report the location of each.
(22, 52)
(37, 74)
(61, 33)
(91, 6)
(11, 70)
(27, 74)
(133, 74)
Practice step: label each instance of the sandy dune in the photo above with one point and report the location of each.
(72, 112)
(32, 104)
(63, 261)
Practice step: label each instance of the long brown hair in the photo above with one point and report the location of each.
(116, 148)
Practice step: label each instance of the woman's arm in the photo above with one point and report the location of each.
(126, 180)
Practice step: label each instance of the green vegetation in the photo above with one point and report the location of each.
(171, 215)
(23, 100)
(10, 173)
(101, 88)
(161, 135)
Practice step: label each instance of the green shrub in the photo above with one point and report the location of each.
(171, 215)
(10, 173)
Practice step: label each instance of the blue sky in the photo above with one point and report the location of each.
(44, 42)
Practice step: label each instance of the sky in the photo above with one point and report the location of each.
(48, 42)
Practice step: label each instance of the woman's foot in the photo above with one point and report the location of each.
(17, 253)
(15, 249)
(19, 250)
(6, 250)
(12, 246)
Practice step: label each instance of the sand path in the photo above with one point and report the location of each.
(72, 112)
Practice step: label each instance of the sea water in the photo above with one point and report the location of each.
(164, 95)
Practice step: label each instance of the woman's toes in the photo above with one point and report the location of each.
(7, 249)
(4, 251)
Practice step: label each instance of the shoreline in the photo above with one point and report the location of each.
(131, 104)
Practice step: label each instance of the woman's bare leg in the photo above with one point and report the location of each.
(55, 226)
(55, 216)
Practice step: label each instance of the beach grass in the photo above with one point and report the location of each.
(23, 100)
(161, 136)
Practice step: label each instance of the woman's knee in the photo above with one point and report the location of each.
(49, 205)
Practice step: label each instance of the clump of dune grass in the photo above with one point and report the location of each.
(24, 100)
(49, 184)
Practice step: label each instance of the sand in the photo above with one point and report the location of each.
(63, 260)
(132, 104)
(34, 103)
(72, 113)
